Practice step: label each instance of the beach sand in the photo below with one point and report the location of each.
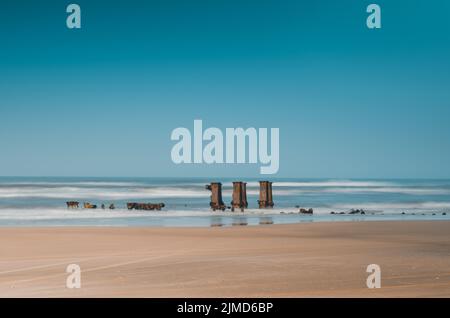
(296, 260)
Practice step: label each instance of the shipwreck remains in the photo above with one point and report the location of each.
(265, 195)
(216, 196)
(72, 204)
(88, 205)
(239, 199)
(145, 206)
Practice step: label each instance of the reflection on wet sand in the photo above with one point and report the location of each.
(239, 221)
(265, 220)
(217, 221)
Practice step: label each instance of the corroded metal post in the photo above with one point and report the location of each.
(270, 196)
(239, 196)
(265, 194)
(244, 194)
(216, 196)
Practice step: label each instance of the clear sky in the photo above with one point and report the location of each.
(102, 101)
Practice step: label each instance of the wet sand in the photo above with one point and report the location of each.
(295, 260)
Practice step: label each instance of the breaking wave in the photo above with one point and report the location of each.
(120, 190)
(101, 193)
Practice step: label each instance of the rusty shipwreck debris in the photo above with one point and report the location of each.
(239, 199)
(216, 196)
(265, 195)
(88, 205)
(145, 206)
(72, 204)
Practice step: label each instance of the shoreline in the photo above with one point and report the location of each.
(164, 220)
(243, 226)
(291, 260)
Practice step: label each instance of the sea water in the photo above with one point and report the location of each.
(41, 201)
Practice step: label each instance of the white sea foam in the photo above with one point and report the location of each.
(402, 190)
(63, 213)
(179, 192)
(74, 183)
(391, 206)
(118, 194)
(326, 183)
(72, 214)
(111, 190)
(101, 193)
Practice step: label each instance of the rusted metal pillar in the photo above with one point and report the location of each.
(262, 194)
(216, 196)
(265, 194)
(239, 196)
(244, 194)
(269, 195)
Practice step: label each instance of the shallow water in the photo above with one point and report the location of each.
(41, 201)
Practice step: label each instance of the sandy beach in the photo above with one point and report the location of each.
(295, 260)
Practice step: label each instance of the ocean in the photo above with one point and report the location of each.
(41, 201)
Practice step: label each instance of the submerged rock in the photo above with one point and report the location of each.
(357, 211)
(306, 211)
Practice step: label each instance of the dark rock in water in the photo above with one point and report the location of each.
(434, 214)
(357, 211)
(341, 212)
(444, 213)
(332, 212)
(305, 211)
(403, 213)
(145, 206)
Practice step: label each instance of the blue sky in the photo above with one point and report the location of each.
(102, 101)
